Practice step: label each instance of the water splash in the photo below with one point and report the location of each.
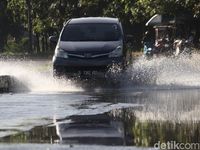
(163, 71)
(37, 76)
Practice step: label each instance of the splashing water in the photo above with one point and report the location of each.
(163, 71)
(182, 74)
(159, 72)
(36, 76)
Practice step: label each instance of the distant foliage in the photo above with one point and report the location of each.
(47, 16)
(19, 47)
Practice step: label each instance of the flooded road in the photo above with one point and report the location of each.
(156, 100)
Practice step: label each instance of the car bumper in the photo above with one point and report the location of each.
(74, 65)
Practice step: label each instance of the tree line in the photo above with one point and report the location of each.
(25, 25)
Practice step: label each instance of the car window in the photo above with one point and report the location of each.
(91, 32)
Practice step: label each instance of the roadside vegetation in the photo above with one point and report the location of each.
(25, 25)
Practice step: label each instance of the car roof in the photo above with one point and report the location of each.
(93, 20)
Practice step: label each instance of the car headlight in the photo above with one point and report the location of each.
(117, 52)
(61, 53)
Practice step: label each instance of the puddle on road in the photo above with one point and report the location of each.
(117, 127)
(122, 117)
(156, 100)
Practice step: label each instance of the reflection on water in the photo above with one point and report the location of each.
(39, 134)
(140, 117)
(148, 133)
(157, 104)
(117, 127)
(91, 129)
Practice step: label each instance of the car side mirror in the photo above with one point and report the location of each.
(53, 39)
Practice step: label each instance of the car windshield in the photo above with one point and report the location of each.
(91, 32)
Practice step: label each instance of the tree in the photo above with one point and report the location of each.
(30, 24)
(4, 24)
(41, 18)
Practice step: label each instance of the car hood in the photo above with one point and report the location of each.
(107, 46)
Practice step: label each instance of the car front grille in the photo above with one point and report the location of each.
(88, 55)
